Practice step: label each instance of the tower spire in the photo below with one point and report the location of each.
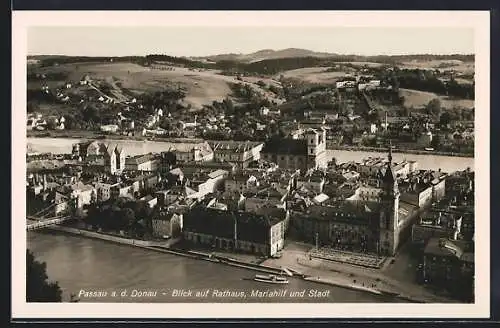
(389, 157)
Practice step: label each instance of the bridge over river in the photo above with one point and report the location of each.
(44, 218)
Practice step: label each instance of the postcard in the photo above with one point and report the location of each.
(250, 164)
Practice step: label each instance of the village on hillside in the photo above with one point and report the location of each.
(360, 105)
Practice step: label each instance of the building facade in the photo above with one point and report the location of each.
(306, 153)
(240, 153)
(236, 231)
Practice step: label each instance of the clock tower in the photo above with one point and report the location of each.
(389, 214)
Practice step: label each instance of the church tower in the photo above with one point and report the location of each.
(316, 148)
(389, 214)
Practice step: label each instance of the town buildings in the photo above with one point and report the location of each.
(167, 225)
(374, 221)
(237, 231)
(305, 153)
(146, 163)
(193, 152)
(106, 157)
(450, 265)
(240, 153)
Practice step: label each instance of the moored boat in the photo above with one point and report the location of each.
(272, 279)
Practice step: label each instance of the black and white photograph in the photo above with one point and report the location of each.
(294, 166)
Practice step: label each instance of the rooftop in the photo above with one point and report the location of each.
(444, 247)
(233, 146)
(139, 159)
(286, 147)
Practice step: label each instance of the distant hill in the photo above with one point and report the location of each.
(270, 62)
(266, 54)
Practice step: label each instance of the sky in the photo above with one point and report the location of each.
(204, 41)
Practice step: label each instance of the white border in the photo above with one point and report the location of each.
(479, 21)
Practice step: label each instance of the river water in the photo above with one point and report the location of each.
(134, 147)
(90, 265)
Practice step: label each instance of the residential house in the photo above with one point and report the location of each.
(82, 193)
(103, 191)
(205, 183)
(61, 204)
(193, 152)
(122, 190)
(366, 193)
(150, 200)
(312, 180)
(168, 225)
(436, 225)
(240, 182)
(111, 128)
(423, 188)
(264, 196)
(166, 197)
(240, 153)
(449, 263)
(146, 162)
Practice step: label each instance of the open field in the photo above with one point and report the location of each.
(417, 98)
(456, 65)
(202, 87)
(362, 64)
(314, 75)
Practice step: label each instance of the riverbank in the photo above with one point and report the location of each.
(399, 150)
(318, 276)
(92, 135)
(166, 247)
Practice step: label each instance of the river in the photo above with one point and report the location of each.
(134, 147)
(82, 264)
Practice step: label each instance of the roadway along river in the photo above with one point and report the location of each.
(134, 147)
(94, 265)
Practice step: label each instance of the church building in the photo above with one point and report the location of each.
(308, 152)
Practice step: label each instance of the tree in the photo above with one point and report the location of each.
(445, 119)
(127, 217)
(434, 107)
(38, 289)
(32, 107)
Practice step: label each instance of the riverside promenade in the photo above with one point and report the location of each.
(295, 257)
